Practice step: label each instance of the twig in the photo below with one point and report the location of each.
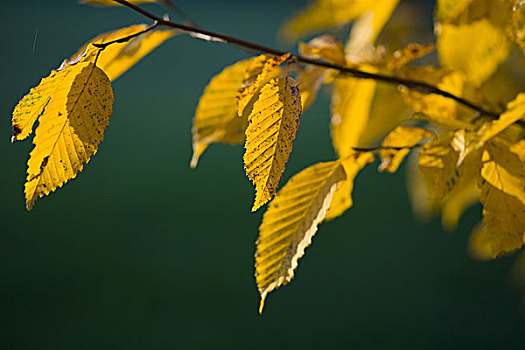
(411, 84)
(380, 148)
(125, 39)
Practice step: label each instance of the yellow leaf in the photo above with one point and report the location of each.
(514, 112)
(504, 169)
(437, 109)
(256, 76)
(399, 141)
(450, 9)
(117, 58)
(411, 52)
(491, 242)
(326, 47)
(32, 105)
(476, 49)
(322, 14)
(342, 199)
(70, 128)
(216, 117)
(111, 2)
(388, 110)
(367, 28)
(437, 162)
(271, 130)
(502, 185)
(517, 26)
(351, 103)
(290, 223)
(310, 80)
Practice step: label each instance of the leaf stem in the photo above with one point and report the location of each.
(411, 84)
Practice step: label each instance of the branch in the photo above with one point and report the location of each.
(381, 148)
(411, 84)
(127, 38)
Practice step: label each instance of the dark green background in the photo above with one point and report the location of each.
(142, 252)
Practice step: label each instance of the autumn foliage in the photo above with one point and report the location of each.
(467, 138)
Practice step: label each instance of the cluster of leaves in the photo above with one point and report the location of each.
(465, 155)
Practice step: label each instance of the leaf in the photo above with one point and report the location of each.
(257, 74)
(70, 128)
(367, 28)
(112, 3)
(117, 58)
(401, 140)
(326, 47)
(411, 52)
(486, 243)
(32, 105)
(290, 223)
(342, 199)
(310, 80)
(437, 161)
(322, 14)
(450, 9)
(216, 117)
(439, 110)
(504, 170)
(514, 112)
(517, 24)
(351, 103)
(271, 130)
(476, 48)
(502, 186)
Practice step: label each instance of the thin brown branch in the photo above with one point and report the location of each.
(411, 84)
(127, 38)
(380, 148)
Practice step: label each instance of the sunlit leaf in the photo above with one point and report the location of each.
(326, 47)
(290, 223)
(117, 58)
(342, 199)
(71, 126)
(261, 69)
(216, 117)
(322, 14)
(271, 130)
(476, 49)
(351, 103)
(400, 140)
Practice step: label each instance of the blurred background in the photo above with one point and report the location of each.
(140, 251)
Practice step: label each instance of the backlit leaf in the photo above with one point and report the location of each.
(342, 199)
(437, 109)
(476, 48)
(322, 14)
(351, 103)
(502, 187)
(326, 47)
(367, 28)
(117, 58)
(310, 80)
(290, 223)
(70, 128)
(216, 117)
(449, 9)
(401, 139)
(257, 74)
(271, 130)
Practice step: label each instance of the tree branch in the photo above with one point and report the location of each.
(411, 84)
(126, 38)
